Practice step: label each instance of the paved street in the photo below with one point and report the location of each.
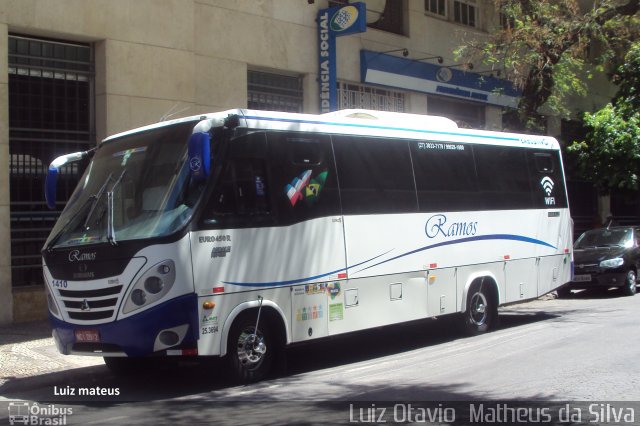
(581, 349)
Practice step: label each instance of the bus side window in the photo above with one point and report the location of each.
(240, 197)
(304, 184)
(503, 177)
(547, 181)
(375, 175)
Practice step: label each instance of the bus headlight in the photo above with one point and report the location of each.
(151, 286)
(612, 263)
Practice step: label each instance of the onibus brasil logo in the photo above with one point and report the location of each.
(547, 186)
(25, 413)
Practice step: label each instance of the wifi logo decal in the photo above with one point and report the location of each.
(547, 186)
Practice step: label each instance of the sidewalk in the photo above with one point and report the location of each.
(27, 349)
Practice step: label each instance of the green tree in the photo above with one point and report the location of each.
(543, 45)
(610, 155)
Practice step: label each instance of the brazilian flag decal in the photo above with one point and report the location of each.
(312, 191)
(302, 187)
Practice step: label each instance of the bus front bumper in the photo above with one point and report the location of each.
(170, 325)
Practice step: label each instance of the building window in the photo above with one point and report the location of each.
(468, 115)
(51, 104)
(274, 92)
(464, 13)
(436, 7)
(367, 97)
(392, 19)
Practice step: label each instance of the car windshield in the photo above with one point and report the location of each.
(137, 186)
(606, 238)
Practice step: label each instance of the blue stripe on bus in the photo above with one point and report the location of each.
(510, 237)
(331, 123)
(300, 280)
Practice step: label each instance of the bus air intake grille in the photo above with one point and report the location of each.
(90, 316)
(104, 303)
(81, 294)
(91, 305)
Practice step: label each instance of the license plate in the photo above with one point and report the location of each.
(582, 278)
(87, 336)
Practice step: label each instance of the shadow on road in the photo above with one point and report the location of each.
(596, 293)
(202, 375)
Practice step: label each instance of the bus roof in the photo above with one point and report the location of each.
(362, 122)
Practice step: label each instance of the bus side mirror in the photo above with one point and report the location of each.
(52, 175)
(200, 155)
(50, 187)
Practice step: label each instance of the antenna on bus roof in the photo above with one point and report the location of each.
(171, 111)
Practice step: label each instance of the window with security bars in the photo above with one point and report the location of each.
(366, 97)
(50, 114)
(274, 92)
(463, 12)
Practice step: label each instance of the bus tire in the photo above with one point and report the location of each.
(482, 310)
(250, 359)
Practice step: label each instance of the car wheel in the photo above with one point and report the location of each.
(481, 313)
(250, 354)
(629, 288)
(564, 292)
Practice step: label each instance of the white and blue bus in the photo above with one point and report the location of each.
(235, 234)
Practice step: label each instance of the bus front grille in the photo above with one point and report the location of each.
(91, 305)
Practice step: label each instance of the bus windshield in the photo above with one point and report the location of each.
(137, 186)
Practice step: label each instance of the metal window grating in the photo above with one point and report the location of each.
(50, 114)
(358, 96)
(274, 92)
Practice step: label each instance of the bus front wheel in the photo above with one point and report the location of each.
(250, 353)
(481, 313)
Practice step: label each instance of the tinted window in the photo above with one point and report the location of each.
(547, 181)
(241, 195)
(375, 175)
(445, 176)
(303, 177)
(503, 177)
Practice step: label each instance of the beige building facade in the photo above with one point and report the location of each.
(144, 60)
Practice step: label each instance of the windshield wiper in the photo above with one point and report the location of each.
(111, 231)
(66, 227)
(96, 197)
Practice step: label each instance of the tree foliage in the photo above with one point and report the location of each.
(610, 155)
(543, 45)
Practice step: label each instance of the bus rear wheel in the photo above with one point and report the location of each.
(250, 353)
(481, 313)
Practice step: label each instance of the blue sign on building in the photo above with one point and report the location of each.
(408, 74)
(335, 22)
